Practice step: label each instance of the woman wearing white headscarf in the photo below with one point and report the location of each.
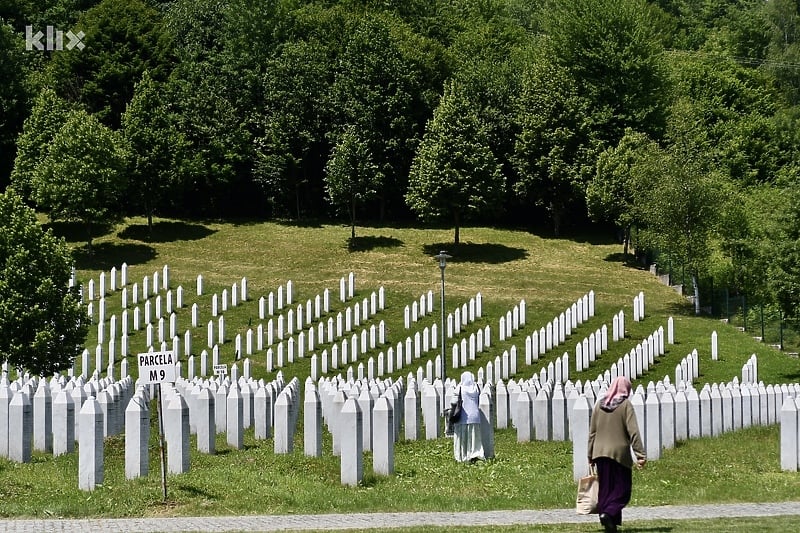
(467, 444)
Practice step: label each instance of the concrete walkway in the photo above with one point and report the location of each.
(392, 520)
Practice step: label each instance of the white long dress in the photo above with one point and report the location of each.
(467, 443)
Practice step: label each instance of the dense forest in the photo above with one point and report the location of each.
(671, 123)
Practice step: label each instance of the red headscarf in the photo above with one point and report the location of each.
(619, 390)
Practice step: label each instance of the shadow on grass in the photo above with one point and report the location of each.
(194, 491)
(470, 252)
(299, 222)
(681, 308)
(166, 231)
(629, 260)
(370, 242)
(105, 255)
(665, 529)
(76, 231)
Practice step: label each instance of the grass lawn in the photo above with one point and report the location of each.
(505, 266)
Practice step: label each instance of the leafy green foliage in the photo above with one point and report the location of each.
(614, 51)
(83, 177)
(455, 174)
(40, 317)
(611, 195)
(156, 147)
(352, 176)
(293, 123)
(48, 116)
(13, 96)
(123, 39)
(680, 207)
(555, 148)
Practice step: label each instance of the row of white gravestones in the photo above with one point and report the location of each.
(325, 332)
(590, 348)
(688, 369)
(639, 360)
(205, 408)
(750, 370)
(631, 365)
(151, 285)
(347, 288)
(377, 367)
(158, 306)
(40, 415)
(243, 291)
(463, 315)
(790, 433)
(558, 329)
(345, 352)
(418, 309)
(464, 353)
(108, 283)
(372, 416)
(512, 321)
(666, 415)
(321, 306)
(638, 307)
(225, 300)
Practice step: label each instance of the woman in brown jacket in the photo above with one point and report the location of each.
(613, 431)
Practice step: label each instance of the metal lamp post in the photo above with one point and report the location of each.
(443, 257)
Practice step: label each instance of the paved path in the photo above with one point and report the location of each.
(390, 520)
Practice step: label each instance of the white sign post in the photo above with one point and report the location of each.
(221, 370)
(157, 368)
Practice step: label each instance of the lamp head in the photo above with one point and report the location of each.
(443, 257)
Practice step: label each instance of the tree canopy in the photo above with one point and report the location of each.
(546, 115)
(40, 316)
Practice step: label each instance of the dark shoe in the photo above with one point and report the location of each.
(608, 523)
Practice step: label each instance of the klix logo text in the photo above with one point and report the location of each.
(52, 39)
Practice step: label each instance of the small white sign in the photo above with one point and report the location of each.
(156, 367)
(220, 370)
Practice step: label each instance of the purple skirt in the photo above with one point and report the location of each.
(614, 491)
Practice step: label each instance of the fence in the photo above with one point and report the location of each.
(763, 321)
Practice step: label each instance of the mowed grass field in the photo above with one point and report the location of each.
(505, 266)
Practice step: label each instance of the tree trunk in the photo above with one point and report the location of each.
(353, 218)
(88, 235)
(696, 287)
(297, 199)
(456, 237)
(626, 239)
(150, 223)
(555, 213)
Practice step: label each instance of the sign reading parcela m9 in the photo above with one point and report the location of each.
(157, 367)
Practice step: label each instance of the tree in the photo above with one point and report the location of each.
(555, 150)
(379, 88)
(455, 174)
(123, 39)
(48, 116)
(13, 97)
(293, 148)
(156, 147)
(612, 193)
(40, 317)
(351, 176)
(681, 205)
(82, 178)
(614, 50)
